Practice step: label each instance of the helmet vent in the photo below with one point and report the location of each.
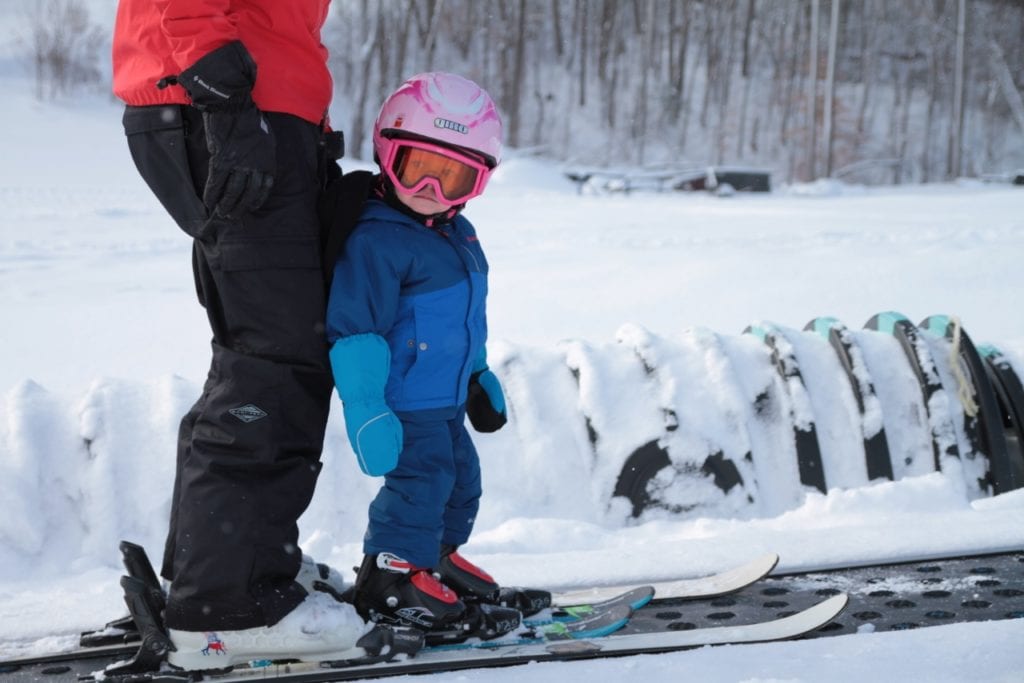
(472, 107)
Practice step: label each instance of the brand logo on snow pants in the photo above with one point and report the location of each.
(248, 413)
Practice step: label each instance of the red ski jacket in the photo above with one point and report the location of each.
(157, 38)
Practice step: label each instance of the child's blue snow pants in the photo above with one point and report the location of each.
(432, 497)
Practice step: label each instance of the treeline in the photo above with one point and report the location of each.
(869, 90)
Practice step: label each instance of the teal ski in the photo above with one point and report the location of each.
(634, 598)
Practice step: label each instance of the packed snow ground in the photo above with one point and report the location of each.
(104, 348)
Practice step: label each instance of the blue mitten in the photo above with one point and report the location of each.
(361, 364)
(485, 403)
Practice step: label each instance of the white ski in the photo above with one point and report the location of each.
(711, 586)
(436, 661)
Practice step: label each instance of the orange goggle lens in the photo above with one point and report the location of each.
(413, 164)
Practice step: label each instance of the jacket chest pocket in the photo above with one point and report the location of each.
(440, 347)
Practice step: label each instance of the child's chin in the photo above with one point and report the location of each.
(427, 207)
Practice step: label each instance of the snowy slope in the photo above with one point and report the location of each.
(104, 347)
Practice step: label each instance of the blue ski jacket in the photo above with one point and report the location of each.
(422, 289)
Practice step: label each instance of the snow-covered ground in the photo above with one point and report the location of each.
(104, 347)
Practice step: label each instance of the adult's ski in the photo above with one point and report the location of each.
(433, 660)
(711, 586)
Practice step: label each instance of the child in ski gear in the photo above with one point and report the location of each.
(407, 325)
(223, 119)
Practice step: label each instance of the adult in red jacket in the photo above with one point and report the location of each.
(225, 104)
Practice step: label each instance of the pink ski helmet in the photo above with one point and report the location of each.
(442, 108)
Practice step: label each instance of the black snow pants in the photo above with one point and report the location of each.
(249, 449)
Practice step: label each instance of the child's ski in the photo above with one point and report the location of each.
(599, 622)
(634, 598)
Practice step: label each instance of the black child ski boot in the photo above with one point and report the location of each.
(465, 578)
(390, 590)
(475, 586)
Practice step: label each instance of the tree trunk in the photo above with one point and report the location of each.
(747, 76)
(725, 85)
(556, 24)
(677, 65)
(956, 129)
(646, 65)
(357, 134)
(514, 104)
(830, 84)
(1006, 84)
(793, 74)
(812, 95)
(866, 73)
(584, 29)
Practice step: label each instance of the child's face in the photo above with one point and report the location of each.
(423, 202)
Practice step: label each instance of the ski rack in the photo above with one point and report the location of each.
(971, 405)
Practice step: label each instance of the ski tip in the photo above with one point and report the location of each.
(839, 601)
(745, 574)
(603, 624)
(769, 560)
(762, 565)
(829, 608)
(642, 596)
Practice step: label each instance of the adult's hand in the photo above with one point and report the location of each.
(242, 148)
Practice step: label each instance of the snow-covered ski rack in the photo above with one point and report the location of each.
(747, 424)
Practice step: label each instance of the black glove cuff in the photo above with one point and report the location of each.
(482, 414)
(222, 80)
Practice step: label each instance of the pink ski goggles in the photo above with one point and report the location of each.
(414, 164)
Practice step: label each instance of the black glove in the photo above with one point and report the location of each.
(485, 403)
(242, 149)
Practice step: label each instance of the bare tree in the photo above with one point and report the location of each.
(64, 44)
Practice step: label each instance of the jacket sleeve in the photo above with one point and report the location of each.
(366, 287)
(194, 28)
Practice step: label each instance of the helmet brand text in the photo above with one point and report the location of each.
(450, 125)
